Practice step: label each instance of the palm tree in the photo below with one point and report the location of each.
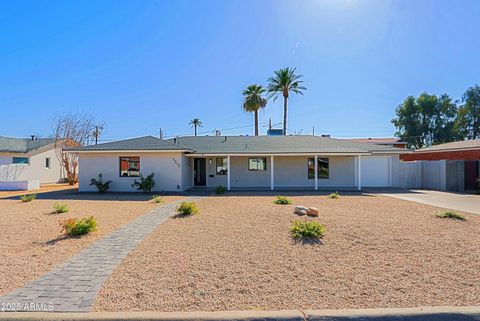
(283, 82)
(253, 100)
(196, 122)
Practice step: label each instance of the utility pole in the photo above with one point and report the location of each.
(313, 130)
(161, 134)
(270, 123)
(97, 133)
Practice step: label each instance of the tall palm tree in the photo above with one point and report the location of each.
(196, 122)
(283, 83)
(253, 100)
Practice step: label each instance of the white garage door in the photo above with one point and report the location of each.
(375, 171)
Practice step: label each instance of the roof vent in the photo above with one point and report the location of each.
(175, 140)
(225, 139)
(326, 135)
(33, 137)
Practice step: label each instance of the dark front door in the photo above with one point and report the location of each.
(471, 176)
(200, 172)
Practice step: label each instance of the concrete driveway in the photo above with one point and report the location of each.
(460, 202)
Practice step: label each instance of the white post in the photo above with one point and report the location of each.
(316, 171)
(271, 172)
(359, 172)
(228, 173)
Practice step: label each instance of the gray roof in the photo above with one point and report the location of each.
(23, 145)
(466, 144)
(139, 143)
(275, 145)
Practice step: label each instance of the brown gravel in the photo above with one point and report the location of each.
(238, 255)
(31, 243)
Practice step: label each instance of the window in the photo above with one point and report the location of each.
(257, 164)
(222, 166)
(129, 166)
(20, 160)
(322, 166)
(47, 162)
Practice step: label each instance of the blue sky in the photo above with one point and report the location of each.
(142, 65)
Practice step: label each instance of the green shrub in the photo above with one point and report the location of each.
(187, 208)
(334, 196)
(145, 184)
(101, 186)
(451, 214)
(28, 197)
(282, 200)
(157, 199)
(79, 226)
(60, 208)
(220, 190)
(308, 229)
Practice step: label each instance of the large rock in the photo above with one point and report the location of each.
(312, 211)
(300, 210)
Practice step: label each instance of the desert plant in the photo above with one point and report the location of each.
(334, 196)
(187, 208)
(307, 229)
(28, 197)
(145, 184)
(79, 226)
(451, 214)
(220, 190)
(101, 186)
(282, 200)
(60, 208)
(157, 199)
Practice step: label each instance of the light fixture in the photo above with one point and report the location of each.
(210, 161)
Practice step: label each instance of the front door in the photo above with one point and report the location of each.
(200, 172)
(471, 176)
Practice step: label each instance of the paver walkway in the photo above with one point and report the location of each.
(73, 285)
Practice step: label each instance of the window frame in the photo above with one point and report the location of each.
(48, 163)
(128, 170)
(319, 172)
(224, 165)
(22, 163)
(257, 162)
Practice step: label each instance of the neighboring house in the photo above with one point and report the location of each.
(240, 162)
(25, 163)
(453, 167)
(389, 141)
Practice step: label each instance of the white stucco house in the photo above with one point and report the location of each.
(240, 162)
(25, 163)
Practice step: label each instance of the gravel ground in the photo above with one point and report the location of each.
(238, 255)
(31, 243)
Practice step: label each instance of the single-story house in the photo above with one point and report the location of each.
(25, 163)
(240, 162)
(452, 167)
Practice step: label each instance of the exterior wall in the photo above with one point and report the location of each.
(410, 174)
(240, 176)
(213, 179)
(434, 175)
(35, 170)
(168, 169)
(395, 171)
(187, 172)
(455, 176)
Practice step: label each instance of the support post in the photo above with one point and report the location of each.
(228, 173)
(272, 171)
(359, 169)
(316, 171)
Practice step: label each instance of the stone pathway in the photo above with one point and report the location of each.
(73, 285)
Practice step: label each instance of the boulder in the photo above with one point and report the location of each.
(300, 210)
(312, 211)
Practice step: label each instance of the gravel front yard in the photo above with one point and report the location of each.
(238, 255)
(31, 243)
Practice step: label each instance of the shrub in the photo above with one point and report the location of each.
(145, 184)
(282, 200)
(101, 186)
(60, 208)
(334, 196)
(157, 199)
(220, 190)
(310, 229)
(79, 226)
(452, 215)
(187, 208)
(28, 198)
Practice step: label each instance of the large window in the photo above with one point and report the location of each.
(222, 166)
(129, 166)
(322, 165)
(20, 160)
(257, 164)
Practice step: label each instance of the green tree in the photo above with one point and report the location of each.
(253, 100)
(468, 118)
(196, 122)
(283, 83)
